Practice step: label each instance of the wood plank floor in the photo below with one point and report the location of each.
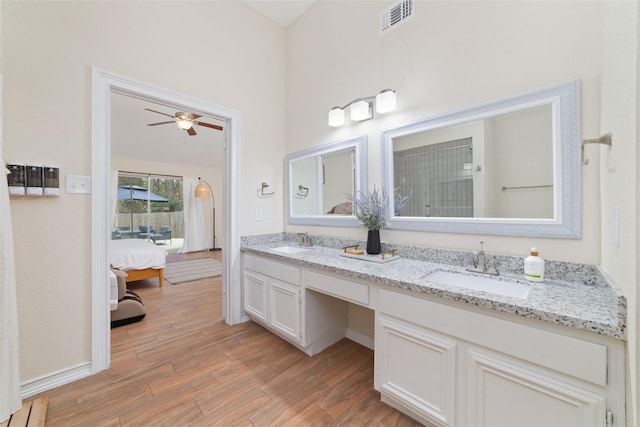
(183, 366)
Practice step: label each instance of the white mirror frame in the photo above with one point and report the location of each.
(359, 144)
(567, 168)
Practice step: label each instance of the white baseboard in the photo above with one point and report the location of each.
(360, 338)
(49, 382)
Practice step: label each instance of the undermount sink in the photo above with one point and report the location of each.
(486, 284)
(289, 249)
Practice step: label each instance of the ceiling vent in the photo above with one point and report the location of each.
(395, 15)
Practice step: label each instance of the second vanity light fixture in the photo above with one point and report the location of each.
(362, 108)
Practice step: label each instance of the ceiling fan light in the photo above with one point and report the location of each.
(184, 124)
(386, 101)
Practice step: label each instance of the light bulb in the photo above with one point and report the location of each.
(361, 110)
(386, 101)
(202, 190)
(336, 117)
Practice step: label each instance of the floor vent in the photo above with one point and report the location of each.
(395, 15)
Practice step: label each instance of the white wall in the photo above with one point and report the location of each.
(449, 56)
(222, 52)
(619, 170)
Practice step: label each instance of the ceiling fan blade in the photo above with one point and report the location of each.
(193, 116)
(209, 125)
(191, 131)
(160, 123)
(154, 111)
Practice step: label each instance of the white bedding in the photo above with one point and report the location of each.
(136, 254)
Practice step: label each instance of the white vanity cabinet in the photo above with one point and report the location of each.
(416, 370)
(254, 290)
(273, 297)
(448, 366)
(444, 362)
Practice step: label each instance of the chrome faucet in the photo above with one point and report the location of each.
(478, 263)
(305, 240)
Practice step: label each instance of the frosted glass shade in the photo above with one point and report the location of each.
(336, 117)
(184, 124)
(361, 110)
(386, 101)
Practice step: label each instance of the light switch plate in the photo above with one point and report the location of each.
(77, 184)
(258, 214)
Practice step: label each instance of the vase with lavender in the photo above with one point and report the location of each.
(369, 208)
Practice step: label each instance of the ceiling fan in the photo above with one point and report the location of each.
(184, 121)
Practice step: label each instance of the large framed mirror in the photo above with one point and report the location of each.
(320, 179)
(506, 167)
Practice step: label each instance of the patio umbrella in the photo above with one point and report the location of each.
(135, 192)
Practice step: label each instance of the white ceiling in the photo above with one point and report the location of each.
(283, 12)
(131, 138)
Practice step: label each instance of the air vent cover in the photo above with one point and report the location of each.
(395, 15)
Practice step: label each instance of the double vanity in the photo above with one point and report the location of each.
(452, 347)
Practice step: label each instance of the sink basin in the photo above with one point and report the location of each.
(486, 284)
(289, 249)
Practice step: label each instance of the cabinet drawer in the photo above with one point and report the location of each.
(278, 270)
(343, 289)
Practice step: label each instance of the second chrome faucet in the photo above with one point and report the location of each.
(478, 263)
(305, 240)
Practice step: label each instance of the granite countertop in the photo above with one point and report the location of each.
(598, 308)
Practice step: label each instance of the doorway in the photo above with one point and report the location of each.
(105, 84)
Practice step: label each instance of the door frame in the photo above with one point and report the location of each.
(103, 84)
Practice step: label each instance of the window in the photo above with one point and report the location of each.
(149, 207)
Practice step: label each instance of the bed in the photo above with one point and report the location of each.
(139, 258)
(341, 209)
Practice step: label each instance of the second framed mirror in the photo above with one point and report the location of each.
(320, 179)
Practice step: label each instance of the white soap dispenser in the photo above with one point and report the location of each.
(534, 267)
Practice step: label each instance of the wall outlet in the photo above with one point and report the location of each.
(258, 214)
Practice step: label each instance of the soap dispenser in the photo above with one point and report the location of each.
(534, 267)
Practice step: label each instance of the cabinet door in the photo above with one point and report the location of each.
(284, 309)
(416, 370)
(507, 392)
(255, 295)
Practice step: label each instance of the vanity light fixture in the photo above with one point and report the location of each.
(362, 108)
